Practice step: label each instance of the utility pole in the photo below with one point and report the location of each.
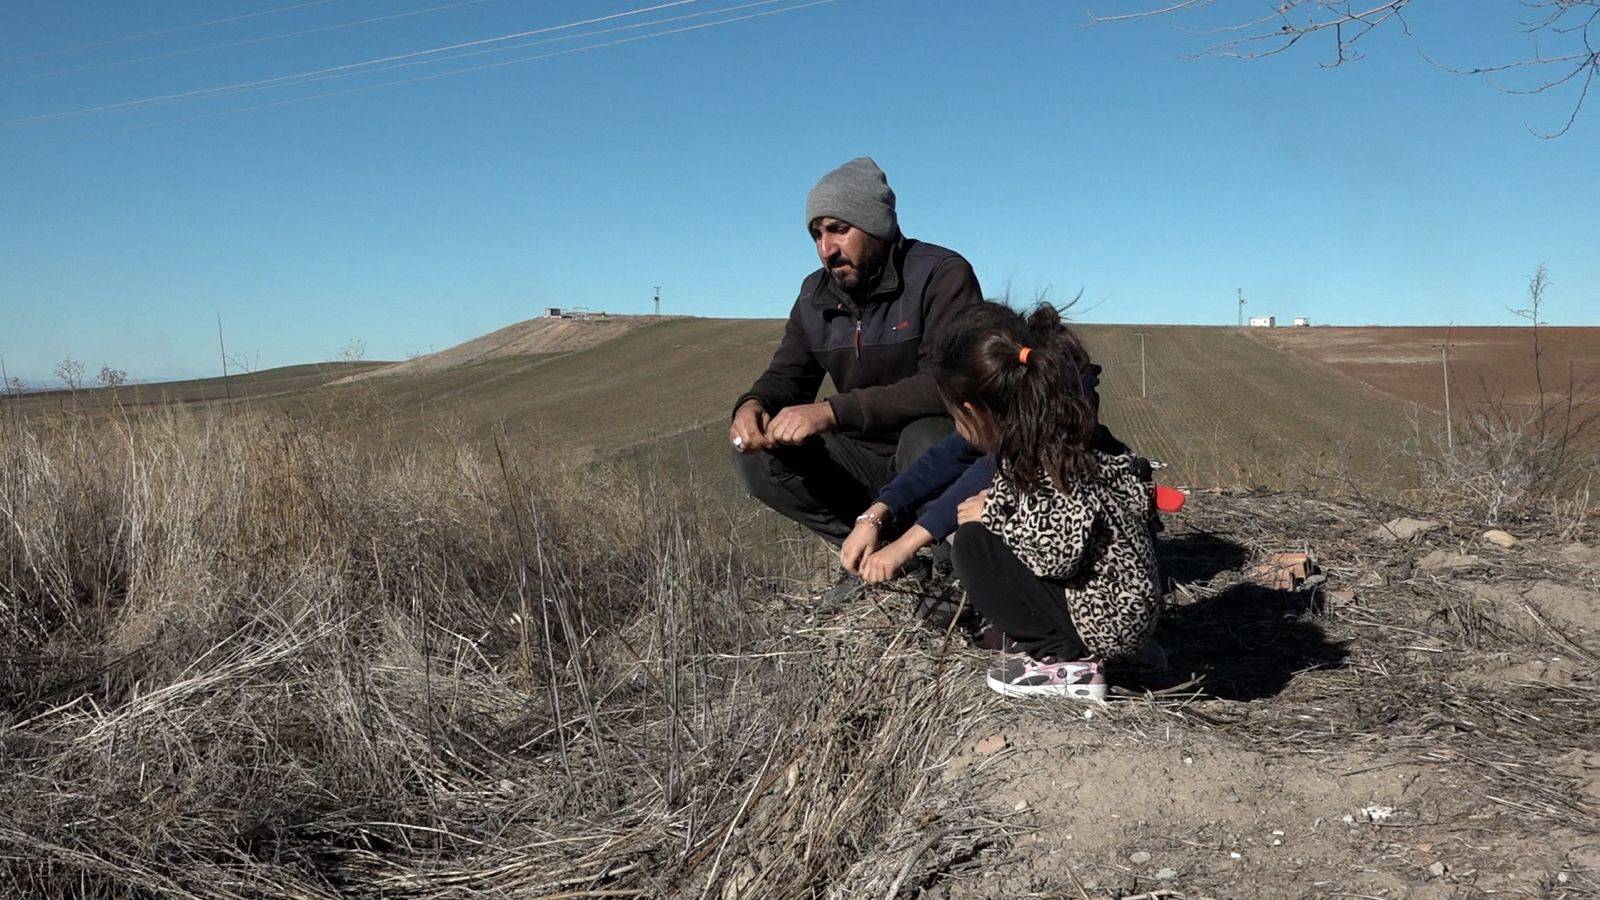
(1142, 393)
(658, 301)
(1449, 423)
(1241, 307)
(223, 352)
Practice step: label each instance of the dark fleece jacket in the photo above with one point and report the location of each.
(878, 352)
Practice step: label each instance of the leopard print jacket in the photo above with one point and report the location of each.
(1097, 541)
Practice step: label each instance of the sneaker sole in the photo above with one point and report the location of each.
(1090, 693)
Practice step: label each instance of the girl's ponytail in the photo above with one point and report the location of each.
(1028, 374)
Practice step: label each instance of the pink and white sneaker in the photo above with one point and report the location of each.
(1020, 675)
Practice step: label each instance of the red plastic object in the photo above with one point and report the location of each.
(1169, 500)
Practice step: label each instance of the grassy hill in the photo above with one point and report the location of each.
(263, 659)
(1220, 407)
(275, 382)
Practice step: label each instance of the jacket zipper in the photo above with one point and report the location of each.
(858, 339)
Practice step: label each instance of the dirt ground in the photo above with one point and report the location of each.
(1397, 731)
(1485, 362)
(527, 338)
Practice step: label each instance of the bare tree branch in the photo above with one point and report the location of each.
(1571, 22)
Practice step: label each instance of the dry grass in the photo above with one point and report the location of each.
(1506, 464)
(1412, 662)
(250, 660)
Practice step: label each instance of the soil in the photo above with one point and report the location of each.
(527, 338)
(1485, 362)
(1422, 735)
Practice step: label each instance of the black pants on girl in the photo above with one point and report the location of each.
(1032, 611)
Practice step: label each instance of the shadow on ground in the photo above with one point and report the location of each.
(1245, 642)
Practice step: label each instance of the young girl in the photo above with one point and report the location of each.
(1057, 553)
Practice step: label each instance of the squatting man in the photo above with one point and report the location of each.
(869, 318)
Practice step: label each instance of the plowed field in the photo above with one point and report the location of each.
(1484, 362)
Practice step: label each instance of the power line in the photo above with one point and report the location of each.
(240, 86)
(454, 72)
(242, 43)
(150, 34)
(521, 46)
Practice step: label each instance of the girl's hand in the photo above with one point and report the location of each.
(863, 539)
(884, 564)
(971, 509)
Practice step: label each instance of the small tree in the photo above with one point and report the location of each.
(1513, 459)
(110, 378)
(70, 371)
(1536, 286)
(355, 351)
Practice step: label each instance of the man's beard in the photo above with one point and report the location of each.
(863, 278)
(839, 282)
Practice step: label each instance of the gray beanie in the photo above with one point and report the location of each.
(857, 192)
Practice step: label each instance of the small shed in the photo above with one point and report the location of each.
(552, 312)
(1263, 321)
(1302, 322)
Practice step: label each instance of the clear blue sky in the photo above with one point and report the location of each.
(1052, 155)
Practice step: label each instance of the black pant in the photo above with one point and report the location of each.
(827, 481)
(1032, 611)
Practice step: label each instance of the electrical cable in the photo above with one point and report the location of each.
(150, 34)
(240, 43)
(231, 88)
(438, 75)
(514, 47)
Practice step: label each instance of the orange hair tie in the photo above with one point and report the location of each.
(1022, 356)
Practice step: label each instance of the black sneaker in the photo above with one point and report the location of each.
(936, 595)
(845, 589)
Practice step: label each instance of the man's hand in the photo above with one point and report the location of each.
(749, 431)
(796, 424)
(863, 539)
(971, 509)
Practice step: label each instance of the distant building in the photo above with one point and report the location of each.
(552, 312)
(1302, 322)
(1263, 321)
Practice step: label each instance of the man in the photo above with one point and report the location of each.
(870, 318)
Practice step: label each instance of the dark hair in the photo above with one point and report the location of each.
(1046, 416)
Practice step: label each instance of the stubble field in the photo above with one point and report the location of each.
(424, 636)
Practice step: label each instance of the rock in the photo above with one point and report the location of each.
(990, 745)
(1444, 559)
(1579, 555)
(1404, 529)
(1566, 604)
(1138, 857)
(1282, 571)
(1498, 538)
(1438, 869)
(1166, 874)
(1020, 805)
